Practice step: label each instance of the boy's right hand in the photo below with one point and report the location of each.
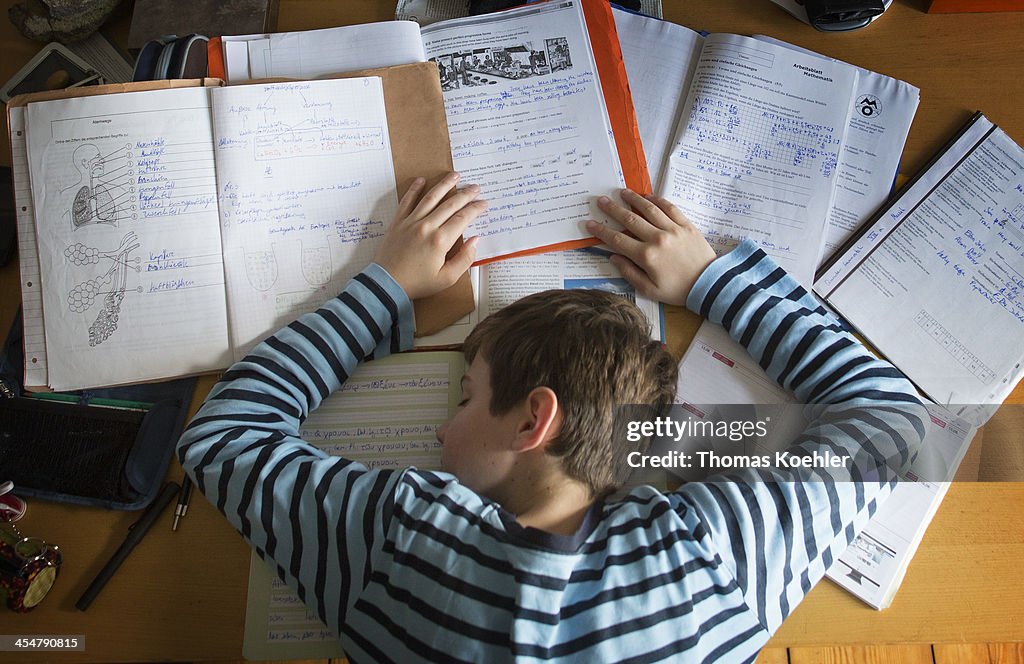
(427, 225)
(664, 253)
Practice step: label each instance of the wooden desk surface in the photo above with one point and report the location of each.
(182, 596)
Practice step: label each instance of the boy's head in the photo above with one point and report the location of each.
(591, 349)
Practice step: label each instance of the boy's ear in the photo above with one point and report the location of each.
(540, 420)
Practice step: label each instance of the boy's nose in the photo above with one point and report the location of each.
(440, 431)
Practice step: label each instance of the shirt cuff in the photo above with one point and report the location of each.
(707, 280)
(398, 333)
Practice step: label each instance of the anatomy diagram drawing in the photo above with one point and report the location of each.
(104, 183)
(111, 284)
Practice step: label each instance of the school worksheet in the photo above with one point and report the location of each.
(757, 151)
(527, 121)
(935, 282)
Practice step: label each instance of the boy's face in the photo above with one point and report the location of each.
(476, 445)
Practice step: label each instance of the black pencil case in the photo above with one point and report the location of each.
(65, 447)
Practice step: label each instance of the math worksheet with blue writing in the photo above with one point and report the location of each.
(528, 123)
(758, 145)
(306, 188)
(126, 220)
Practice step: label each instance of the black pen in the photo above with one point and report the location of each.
(135, 534)
(181, 509)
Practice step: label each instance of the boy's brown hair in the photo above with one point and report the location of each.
(594, 350)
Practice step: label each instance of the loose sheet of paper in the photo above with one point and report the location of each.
(718, 371)
(385, 416)
(527, 121)
(128, 235)
(873, 566)
(883, 110)
(314, 53)
(757, 150)
(660, 58)
(426, 12)
(941, 292)
(306, 189)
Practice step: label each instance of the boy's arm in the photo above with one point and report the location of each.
(318, 519)
(779, 537)
(313, 517)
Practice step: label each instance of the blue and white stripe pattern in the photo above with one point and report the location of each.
(411, 565)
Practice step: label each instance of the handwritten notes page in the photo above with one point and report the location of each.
(306, 189)
(938, 284)
(385, 416)
(129, 244)
(527, 122)
(756, 153)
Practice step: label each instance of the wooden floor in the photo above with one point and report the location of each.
(990, 653)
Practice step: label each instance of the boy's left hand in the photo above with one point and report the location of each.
(415, 247)
(664, 254)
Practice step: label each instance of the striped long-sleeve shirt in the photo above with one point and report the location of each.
(411, 565)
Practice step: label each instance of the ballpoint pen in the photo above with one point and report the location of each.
(181, 509)
(135, 534)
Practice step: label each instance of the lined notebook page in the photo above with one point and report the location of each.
(28, 256)
(385, 416)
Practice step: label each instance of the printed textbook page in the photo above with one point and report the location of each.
(499, 284)
(716, 371)
(306, 188)
(757, 151)
(125, 201)
(504, 282)
(528, 123)
(873, 566)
